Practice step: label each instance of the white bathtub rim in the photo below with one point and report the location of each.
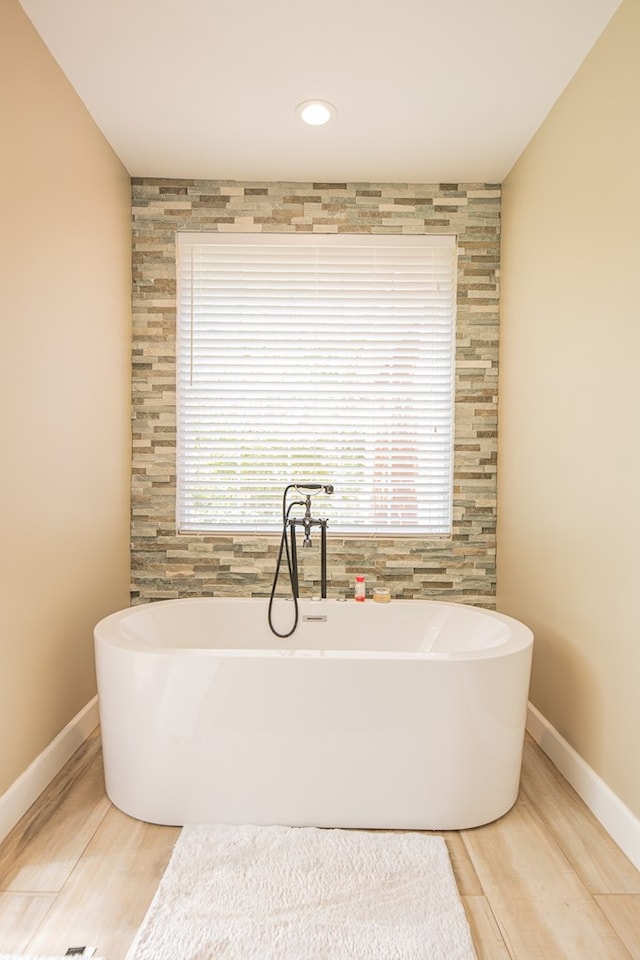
(519, 637)
(224, 653)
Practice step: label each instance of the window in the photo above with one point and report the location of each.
(316, 358)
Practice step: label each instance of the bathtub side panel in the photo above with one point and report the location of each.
(312, 740)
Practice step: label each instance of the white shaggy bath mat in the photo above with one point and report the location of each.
(301, 893)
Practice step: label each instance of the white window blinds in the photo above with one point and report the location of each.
(316, 359)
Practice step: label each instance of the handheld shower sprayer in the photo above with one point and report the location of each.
(313, 487)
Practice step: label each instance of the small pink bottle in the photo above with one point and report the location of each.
(359, 592)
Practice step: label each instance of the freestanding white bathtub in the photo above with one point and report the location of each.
(405, 715)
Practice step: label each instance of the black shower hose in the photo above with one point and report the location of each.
(284, 547)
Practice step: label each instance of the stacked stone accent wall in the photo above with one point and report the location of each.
(167, 564)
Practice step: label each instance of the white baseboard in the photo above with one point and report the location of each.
(39, 774)
(619, 822)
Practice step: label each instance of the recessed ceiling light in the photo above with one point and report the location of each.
(316, 112)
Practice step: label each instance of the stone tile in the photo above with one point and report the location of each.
(167, 564)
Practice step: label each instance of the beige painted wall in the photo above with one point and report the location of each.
(569, 439)
(64, 388)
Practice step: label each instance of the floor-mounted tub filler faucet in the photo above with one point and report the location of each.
(307, 522)
(288, 544)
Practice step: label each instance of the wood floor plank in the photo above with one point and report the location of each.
(487, 939)
(43, 848)
(623, 913)
(541, 906)
(20, 916)
(105, 899)
(463, 870)
(597, 859)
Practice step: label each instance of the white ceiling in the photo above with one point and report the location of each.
(425, 90)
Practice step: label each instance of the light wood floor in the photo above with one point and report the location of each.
(545, 882)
